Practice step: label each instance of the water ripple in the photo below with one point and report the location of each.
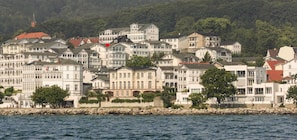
(249, 127)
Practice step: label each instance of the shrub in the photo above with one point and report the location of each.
(148, 97)
(117, 100)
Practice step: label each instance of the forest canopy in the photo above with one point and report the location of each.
(257, 25)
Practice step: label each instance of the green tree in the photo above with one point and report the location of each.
(101, 97)
(168, 94)
(207, 57)
(1, 97)
(54, 96)
(214, 25)
(184, 25)
(139, 61)
(9, 91)
(198, 100)
(218, 84)
(292, 94)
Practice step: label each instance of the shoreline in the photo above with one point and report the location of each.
(146, 111)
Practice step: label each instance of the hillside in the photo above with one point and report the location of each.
(16, 15)
(257, 24)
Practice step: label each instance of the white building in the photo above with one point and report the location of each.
(216, 53)
(136, 33)
(66, 74)
(85, 56)
(189, 81)
(290, 68)
(176, 43)
(234, 47)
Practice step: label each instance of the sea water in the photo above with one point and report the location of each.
(187, 127)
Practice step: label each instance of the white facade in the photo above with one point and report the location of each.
(64, 73)
(102, 53)
(215, 53)
(88, 58)
(234, 47)
(136, 33)
(290, 68)
(189, 81)
(117, 56)
(126, 82)
(176, 43)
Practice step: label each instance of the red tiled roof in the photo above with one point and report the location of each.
(32, 35)
(76, 41)
(273, 63)
(274, 75)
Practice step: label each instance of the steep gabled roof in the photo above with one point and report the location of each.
(38, 35)
(274, 75)
(273, 52)
(273, 63)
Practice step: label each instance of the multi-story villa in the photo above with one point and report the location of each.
(127, 82)
(216, 53)
(30, 45)
(88, 58)
(168, 67)
(199, 40)
(158, 47)
(176, 43)
(64, 73)
(136, 33)
(234, 47)
(117, 56)
(189, 81)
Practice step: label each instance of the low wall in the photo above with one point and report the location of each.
(146, 111)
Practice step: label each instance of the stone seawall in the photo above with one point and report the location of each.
(146, 111)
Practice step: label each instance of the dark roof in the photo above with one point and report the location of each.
(167, 67)
(217, 49)
(223, 63)
(273, 52)
(183, 55)
(59, 61)
(199, 66)
(240, 59)
(102, 77)
(136, 68)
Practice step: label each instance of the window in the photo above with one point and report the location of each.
(268, 90)
(149, 75)
(258, 90)
(241, 73)
(149, 84)
(75, 87)
(67, 87)
(241, 91)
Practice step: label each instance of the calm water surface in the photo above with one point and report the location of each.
(270, 127)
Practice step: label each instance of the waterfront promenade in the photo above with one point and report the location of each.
(146, 111)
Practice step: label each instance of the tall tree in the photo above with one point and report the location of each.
(218, 84)
(207, 57)
(54, 96)
(292, 94)
(139, 61)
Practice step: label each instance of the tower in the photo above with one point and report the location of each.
(33, 22)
